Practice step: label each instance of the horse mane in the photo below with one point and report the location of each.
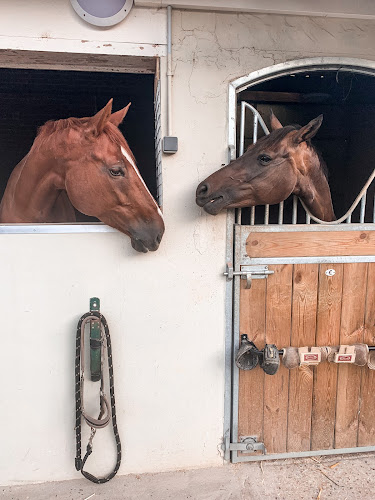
(51, 129)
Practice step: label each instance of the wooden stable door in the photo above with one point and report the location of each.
(311, 408)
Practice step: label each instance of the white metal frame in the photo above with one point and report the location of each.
(233, 253)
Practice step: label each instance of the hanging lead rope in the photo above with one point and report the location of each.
(105, 409)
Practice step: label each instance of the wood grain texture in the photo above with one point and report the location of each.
(349, 376)
(304, 305)
(276, 387)
(76, 61)
(366, 430)
(325, 374)
(251, 383)
(310, 244)
(266, 96)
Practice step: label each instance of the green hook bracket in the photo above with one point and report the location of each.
(95, 342)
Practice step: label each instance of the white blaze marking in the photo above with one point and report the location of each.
(130, 160)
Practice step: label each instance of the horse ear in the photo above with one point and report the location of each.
(117, 118)
(100, 119)
(308, 131)
(275, 124)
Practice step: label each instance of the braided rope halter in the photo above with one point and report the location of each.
(106, 410)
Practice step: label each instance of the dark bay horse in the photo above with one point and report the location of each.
(279, 164)
(84, 163)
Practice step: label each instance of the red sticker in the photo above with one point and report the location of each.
(347, 357)
(311, 357)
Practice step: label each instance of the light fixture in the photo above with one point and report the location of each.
(102, 13)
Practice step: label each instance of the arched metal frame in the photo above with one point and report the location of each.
(362, 66)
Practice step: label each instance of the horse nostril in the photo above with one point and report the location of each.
(202, 190)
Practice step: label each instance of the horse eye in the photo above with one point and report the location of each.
(115, 172)
(264, 159)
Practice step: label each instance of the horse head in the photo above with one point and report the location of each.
(277, 165)
(102, 180)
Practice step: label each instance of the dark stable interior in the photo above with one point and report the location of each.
(345, 139)
(29, 98)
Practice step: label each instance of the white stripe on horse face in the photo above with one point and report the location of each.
(130, 160)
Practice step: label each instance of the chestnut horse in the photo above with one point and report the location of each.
(87, 164)
(279, 164)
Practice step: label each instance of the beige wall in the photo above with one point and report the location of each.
(165, 310)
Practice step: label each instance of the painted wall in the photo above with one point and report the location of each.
(165, 310)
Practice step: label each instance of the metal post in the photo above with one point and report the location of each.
(169, 71)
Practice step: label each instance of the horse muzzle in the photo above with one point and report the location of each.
(147, 239)
(213, 202)
(145, 246)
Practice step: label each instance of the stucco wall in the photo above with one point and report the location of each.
(165, 310)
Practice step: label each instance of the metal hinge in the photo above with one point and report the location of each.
(248, 443)
(248, 273)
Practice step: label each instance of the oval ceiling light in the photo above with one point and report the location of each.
(102, 13)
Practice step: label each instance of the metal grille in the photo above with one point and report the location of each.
(260, 215)
(158, 145)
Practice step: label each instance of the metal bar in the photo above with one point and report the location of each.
(228, 337)
(308, 219)
(238, 215)
(266, 214)
(256, 113)
(169, 70)
(349, 219)
(232, 116)
(281, 213)
(295, 207)
(252, 216)
(373, 211)
(246, 261)
(255, 129)
(363, 208)
(301, 454)
(235, 333)
(242, 129)
(91, 227)
(274, 228)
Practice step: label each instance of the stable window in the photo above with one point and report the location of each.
(29, 97)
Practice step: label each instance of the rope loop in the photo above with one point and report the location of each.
(107, 410)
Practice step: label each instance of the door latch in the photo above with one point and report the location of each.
(248, 273)
(248, 444)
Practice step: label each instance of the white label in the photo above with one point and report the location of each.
(330, 272)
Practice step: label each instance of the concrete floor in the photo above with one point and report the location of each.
(342, 477)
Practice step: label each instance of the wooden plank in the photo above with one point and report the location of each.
(251, 383)
(276, 387)
(76, 61)
(265, 96)
(305, 283)
(349, 376)
(310, 244)
(366, 431)
(325, 376)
